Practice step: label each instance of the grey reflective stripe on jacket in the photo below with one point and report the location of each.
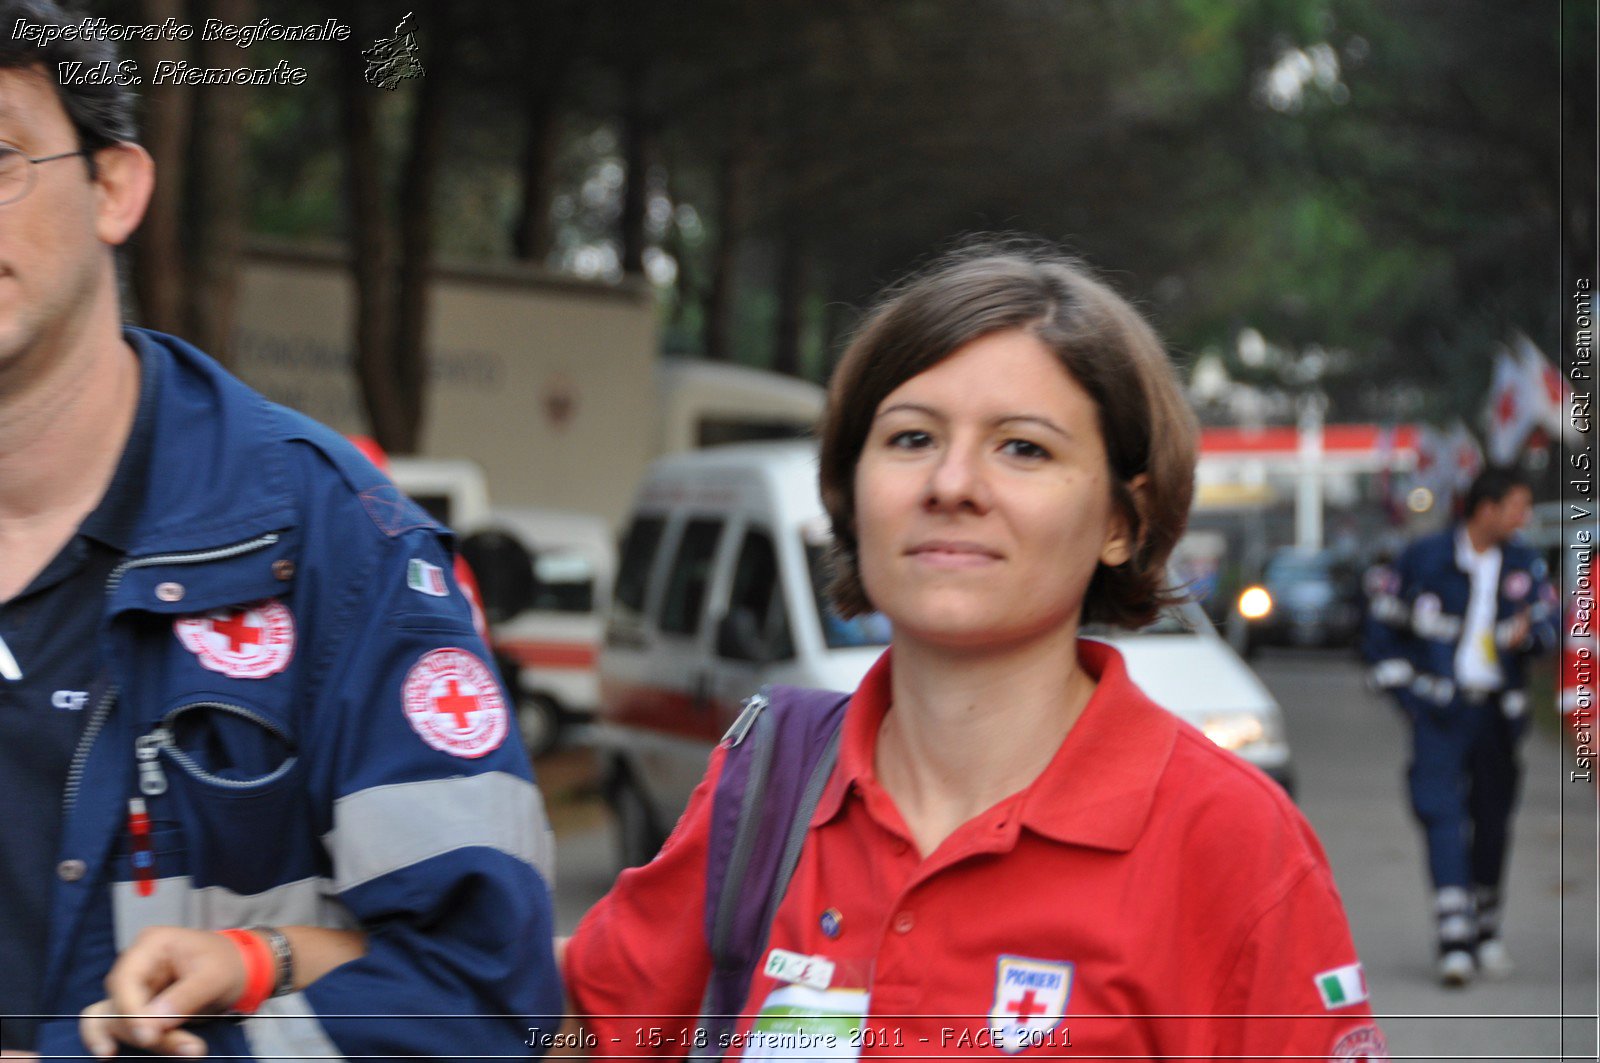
(383, 829)
(175, 902)
(286, 1029)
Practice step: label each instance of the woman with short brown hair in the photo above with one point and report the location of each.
(1015, 850)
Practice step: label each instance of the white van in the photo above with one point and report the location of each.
(553, 645)
(545, 577)
(720, 589)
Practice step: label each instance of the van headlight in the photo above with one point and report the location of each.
(1255, 603)
(1235, 731)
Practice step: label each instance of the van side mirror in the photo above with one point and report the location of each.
(504, 570)
(739, 638)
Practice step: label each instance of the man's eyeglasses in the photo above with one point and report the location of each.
(16, 171)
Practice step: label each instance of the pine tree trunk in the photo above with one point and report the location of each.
(419, 180)
(730, 211)
(370, 251)
(636, 162)
(217, 195)
(791, 292)
(160, 266)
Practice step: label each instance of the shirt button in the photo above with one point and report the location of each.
(901, 848)
(903, 923)
(169, 592)
(71, 870)
(283, 569)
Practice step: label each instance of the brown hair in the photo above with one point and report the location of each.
(1113, 354)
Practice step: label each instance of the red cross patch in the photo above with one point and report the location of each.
(1364, 1043)
(454, 703)
(249, 642)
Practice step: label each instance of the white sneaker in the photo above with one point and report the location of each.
(1493, 958)
(1456, 968)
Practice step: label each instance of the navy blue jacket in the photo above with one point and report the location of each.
(300, 701)
(1416, 613)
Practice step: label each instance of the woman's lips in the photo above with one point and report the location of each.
(954, 554)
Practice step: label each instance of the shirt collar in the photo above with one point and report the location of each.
(1467, 558)
(1098, 789)
(113, 520)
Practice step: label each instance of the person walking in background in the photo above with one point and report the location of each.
(1449, 628)
(239, 691)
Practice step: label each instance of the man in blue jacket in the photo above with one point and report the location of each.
(1449, 629)
(239, 687)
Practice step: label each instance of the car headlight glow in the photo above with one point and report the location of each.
(1234, 731)
(1255, 603)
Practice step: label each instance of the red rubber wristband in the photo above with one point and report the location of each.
(260, 970)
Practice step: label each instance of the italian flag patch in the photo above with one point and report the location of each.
(1342, 986)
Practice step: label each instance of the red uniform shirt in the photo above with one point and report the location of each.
(1148, 894)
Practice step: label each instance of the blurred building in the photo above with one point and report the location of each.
(552, 384)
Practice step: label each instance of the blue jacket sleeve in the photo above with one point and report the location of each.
(437, 837)
(1543, 610)
(1386, 637)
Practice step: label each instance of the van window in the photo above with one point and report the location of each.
(758, 591)
(566, 583)
(638, 551)
(691, 571)
(869, 629)
(436, 506)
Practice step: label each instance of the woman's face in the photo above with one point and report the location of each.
(983, 501)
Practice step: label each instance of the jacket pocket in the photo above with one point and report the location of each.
(230, 749)
(229, 772)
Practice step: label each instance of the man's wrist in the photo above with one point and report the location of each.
(282, 958)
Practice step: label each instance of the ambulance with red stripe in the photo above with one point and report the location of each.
(719, 590)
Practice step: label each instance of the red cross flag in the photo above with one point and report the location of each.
(248, 642)
(1547, 389)
(1514, 402)
(453, 701)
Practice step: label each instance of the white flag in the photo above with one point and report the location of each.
(1513, 408)
(1547, 389)
(1465, 457)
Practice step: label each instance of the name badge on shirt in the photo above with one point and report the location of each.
(815, 972)
(797, 1022)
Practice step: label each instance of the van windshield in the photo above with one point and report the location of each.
(565, 583)
(869, 629)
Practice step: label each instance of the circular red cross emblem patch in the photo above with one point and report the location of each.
(251, 642)
(454, 703)
(1363, 1043)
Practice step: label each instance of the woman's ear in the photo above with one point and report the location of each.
(1121, 543)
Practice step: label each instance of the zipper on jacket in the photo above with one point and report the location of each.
(192, 558)
(91, 730)
(147, 751)
(148, 748)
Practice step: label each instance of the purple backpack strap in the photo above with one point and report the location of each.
(780, 752)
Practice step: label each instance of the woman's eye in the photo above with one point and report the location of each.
(910, 439)
(1021, 448)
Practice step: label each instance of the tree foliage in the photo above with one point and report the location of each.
(1382, 179)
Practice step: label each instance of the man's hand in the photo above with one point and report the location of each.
(1517, 633)
(166, 977)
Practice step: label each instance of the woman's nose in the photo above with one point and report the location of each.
(957, 481)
